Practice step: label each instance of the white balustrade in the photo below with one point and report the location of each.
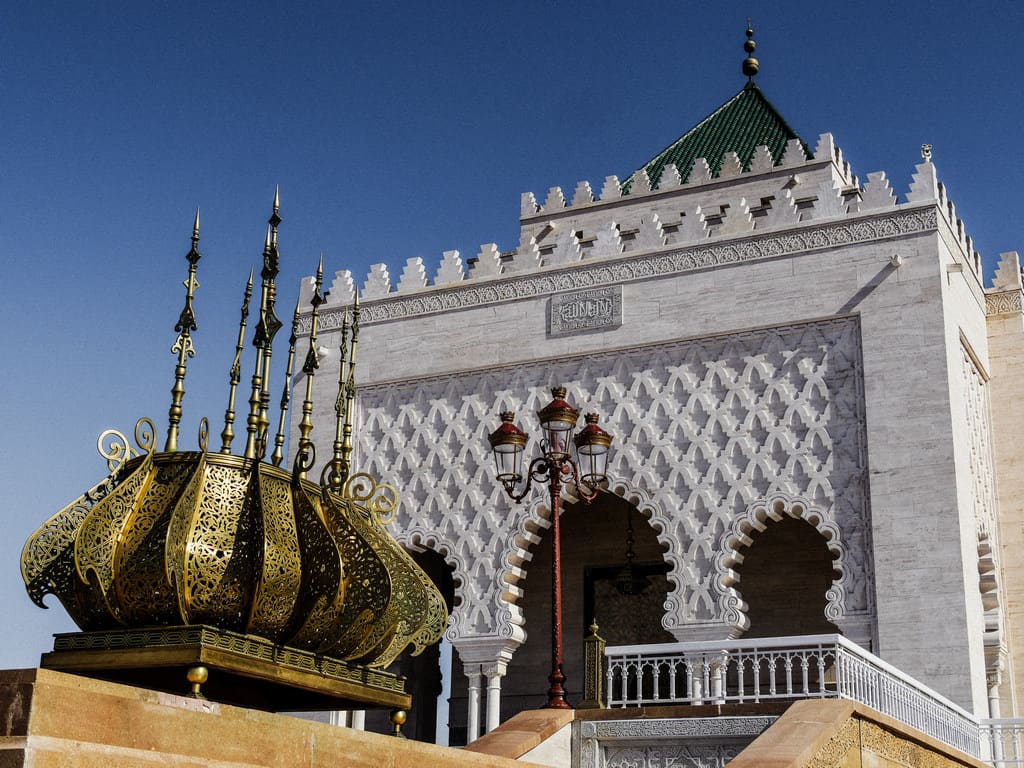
(786, 668)
(1005, 740)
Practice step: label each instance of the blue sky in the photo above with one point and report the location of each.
(394, 130)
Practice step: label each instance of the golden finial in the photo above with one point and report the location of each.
(252, 421)
(311, 365)
(286, 394)
(183, 344)
(274, 219)
(350, 390)
(335, 478)
(258, 420)
(235, 376)
(398, 717)
(750, 64)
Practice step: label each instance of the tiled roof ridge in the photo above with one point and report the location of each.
(729, 136)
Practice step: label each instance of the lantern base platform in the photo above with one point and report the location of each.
(244, 670)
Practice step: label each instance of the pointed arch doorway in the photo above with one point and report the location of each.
(593, 550)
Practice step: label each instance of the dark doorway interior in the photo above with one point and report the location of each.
(784, 576)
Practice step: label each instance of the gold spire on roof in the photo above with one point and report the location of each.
(750, 64)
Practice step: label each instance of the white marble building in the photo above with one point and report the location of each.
(769, 339)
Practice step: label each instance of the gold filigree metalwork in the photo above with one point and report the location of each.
(199, 538)
(183, 539)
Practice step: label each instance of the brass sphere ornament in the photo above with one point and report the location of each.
(398, 718)
(750, 64)
(197, 676)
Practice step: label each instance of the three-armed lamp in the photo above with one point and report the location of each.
(508, 442)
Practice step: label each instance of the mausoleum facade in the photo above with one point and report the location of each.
(779, 349)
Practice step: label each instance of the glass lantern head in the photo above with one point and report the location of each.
(592, 444)
(508, 442)
(558, 420)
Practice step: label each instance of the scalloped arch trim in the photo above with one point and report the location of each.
(740, 534)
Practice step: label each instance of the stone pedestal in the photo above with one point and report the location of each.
(50, 718)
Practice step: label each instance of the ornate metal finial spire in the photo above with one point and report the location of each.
(235, 376)
(258, 420)
(750, 64)
(252, 421)
(272, 324)
(350, 387)
(286, 394)
(183, 344)
(340, 464)
(310, 366)
(336, 477)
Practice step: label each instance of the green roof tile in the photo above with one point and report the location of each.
(744, 122)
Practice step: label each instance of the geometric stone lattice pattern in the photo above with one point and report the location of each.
(682, 755)
(703, 429)
(980, 430)
(696, 742)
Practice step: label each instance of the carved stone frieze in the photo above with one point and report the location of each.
(704, 429)
(1004, 302)
(676, 727)
(624, 269)
(701, 742)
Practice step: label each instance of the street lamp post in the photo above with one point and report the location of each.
(556, 468)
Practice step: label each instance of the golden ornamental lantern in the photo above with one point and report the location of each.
(268, 588)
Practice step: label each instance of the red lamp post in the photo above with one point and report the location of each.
(555, 467)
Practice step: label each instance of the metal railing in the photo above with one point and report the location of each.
(782, 668)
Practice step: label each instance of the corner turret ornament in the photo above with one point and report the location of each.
(197, 568)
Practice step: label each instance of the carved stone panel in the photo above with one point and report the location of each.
(700, 742)
(580, 311)
(703, 429)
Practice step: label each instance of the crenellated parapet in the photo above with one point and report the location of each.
(1006, 296)
(689, 208)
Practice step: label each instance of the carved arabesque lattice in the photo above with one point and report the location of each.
(979, 429)
(980, 435)
(703, 429)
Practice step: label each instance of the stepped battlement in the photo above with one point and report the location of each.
(639, 216)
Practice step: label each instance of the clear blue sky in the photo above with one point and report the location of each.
(395, 130)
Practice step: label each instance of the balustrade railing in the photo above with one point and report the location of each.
(1005, 740)
(782, 668)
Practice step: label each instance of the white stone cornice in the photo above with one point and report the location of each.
(1004, 302)
(630, 268)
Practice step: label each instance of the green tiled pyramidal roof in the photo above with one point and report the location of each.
(744, 122)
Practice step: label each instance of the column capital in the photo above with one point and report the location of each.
(494, 668)
(485, 649)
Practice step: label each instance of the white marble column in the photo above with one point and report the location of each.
(994, 680)
(494, 672)
(484, 655)
(473, 672)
